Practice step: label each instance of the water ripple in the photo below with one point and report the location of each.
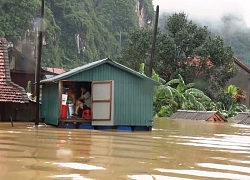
(209, 174)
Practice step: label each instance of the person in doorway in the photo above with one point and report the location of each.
(71, 96)
(83, 102)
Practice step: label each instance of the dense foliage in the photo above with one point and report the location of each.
(84, 31)
(176, 94)
(17, 20)
(230, 100)
(77, 31)
(184, 48)
(231, 27)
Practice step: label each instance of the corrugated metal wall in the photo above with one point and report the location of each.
(49, 109)
(133, 96)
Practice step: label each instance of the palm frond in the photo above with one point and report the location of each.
(199, 106)
(190, 90)
(162, 80)
(156, 77)
(164, 91)
(190, 97)
(187, 105)
(173, 81)
(189, 85)
(198, 94)
(232, 89)
(179, 96)
(182, 83)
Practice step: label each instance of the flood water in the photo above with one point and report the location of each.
(175, 150)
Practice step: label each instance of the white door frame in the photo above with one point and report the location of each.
(98, 99)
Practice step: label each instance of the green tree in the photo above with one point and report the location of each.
(17, 19)
(78, 32)
(92, 30)
(176, 94)
(186, 49)
(14, 21)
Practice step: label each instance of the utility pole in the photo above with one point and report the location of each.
(154, 42)
(38, 66)
(35, 56)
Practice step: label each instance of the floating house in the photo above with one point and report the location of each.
(213, 116)
(120, 96)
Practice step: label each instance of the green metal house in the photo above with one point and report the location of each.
(120, 96)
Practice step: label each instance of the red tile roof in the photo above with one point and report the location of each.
(55, 70)
(196, 61)
(9, 91)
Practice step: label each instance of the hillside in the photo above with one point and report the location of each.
(231, 28)
(77, 31)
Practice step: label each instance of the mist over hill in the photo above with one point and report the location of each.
(231, 27)
(79, 32)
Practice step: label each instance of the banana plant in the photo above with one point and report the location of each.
(164, 102)
(155, 76)
(231, 89)
(234, 110)
(236, 93)
(142, 68)
(180, 96)
(176, 94)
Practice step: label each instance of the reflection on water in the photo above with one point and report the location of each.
(176, 150)
(79, 166)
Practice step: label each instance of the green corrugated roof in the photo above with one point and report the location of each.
(95, 64)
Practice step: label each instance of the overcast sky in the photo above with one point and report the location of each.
(211, 10)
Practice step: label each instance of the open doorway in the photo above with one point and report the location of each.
(100, 104)
(76, 98)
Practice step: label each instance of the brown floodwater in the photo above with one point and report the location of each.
(175, 150)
